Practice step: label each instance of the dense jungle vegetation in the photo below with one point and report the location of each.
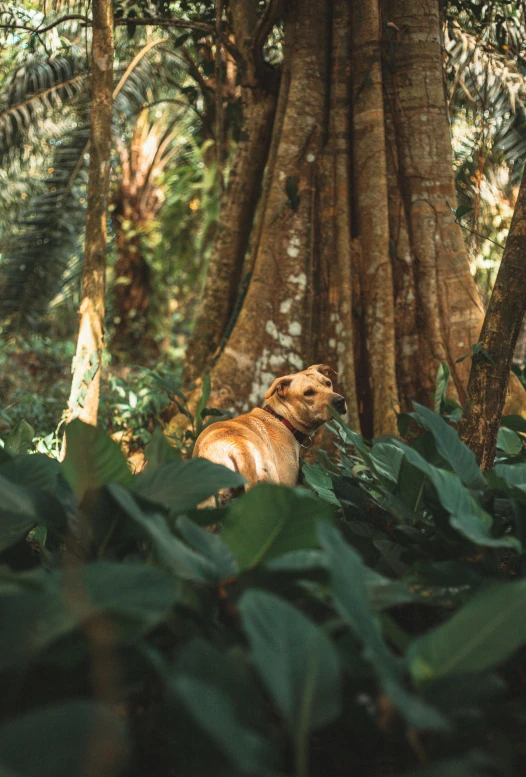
(197, 198)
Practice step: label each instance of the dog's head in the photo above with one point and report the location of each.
(306, 396)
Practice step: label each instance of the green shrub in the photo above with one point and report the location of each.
(373, 627)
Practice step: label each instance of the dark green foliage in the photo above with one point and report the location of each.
(378, 617)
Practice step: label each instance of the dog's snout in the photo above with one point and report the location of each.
(338, 404)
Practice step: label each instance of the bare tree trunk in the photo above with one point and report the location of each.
(84, 398)
(490, 369)
(370, 182)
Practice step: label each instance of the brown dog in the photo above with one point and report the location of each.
(264, 445)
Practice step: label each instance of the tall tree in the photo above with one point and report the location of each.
(355, 207)
(490, 370)
(84, 397)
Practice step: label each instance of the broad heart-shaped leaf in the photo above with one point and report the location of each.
(515, 422)
(320, 482)
(18, 513)
(181, 485)
(508, 441)
(348, 576)
(449, 445)
(453, 496)
(63, 740)
(159, 451)
(92, 459)
(295, 659)
(20, 440)
(481, 635)
(473, 529)
(174, 554)
(271, 520)
(387, 460)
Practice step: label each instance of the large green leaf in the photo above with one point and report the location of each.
(182, 485)
(320, 482)
(482, 635)
(32, 470)
(71, 739)
(174, 554)
(473, 529)
(348, 577)
(210, 546)
(461, 459)
(20, 440)
(387, 460)
(271, 520)
(508, 441)
(453, 496)
(45, 607)
(295, 659)
(92, 459)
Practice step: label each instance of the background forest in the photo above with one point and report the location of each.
(197, 198)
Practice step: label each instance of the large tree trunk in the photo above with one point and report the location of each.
(490, 371)
(406, 272)
(84, 398)
(269, 337)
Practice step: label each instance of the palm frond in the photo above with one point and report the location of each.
(37, 255)
(32, 92)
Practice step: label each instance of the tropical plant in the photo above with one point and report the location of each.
(378, 620)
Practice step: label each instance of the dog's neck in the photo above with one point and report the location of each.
(281, 409)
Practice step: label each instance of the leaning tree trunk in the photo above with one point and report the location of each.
(84, 398)
(490, 370)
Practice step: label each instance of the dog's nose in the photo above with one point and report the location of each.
(338, 404)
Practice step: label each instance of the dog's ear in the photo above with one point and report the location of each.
(280, 386)
(324, 369)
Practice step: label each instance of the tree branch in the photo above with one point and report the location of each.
(40, 30)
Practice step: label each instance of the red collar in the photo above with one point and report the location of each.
(300, 436)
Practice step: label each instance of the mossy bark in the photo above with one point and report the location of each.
(84, 397)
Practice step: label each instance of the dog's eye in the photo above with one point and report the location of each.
(328, 383)
(309, 392)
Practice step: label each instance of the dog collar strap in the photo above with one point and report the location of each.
(300, 436)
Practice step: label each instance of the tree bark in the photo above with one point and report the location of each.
(371, 202)
(269, 336)
(333, 281)
(426, 237)
(490, 369)
(84, 398)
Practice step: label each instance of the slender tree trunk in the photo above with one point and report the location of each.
(84, 398)
(370, 192)
(490, 369)
(238, 207)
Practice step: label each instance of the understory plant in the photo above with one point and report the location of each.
(370, 622)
